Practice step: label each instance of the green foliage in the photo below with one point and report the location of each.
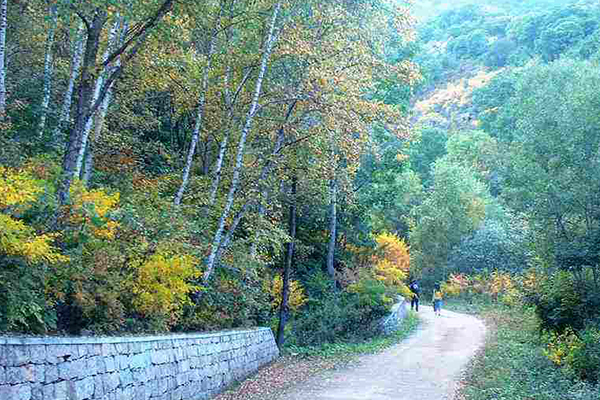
(367, 346)
(455, 208)
(513, 364)
(564, 300)
(494, 246)
(330, 316)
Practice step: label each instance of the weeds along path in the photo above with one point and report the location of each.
(426, 366)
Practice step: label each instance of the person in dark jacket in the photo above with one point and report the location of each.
(416, 291)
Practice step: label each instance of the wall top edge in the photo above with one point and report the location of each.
(71, 340)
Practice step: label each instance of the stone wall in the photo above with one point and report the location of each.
(398, 312)
(173, 367)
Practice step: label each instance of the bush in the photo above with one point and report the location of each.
(586, 357)
(332, 316)
(562, 301)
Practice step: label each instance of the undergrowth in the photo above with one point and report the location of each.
(512, 364)
(373, 345)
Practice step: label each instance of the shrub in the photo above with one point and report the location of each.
(161, 285)
(585, 360)
(332, 316)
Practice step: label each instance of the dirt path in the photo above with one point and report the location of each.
(423, 367)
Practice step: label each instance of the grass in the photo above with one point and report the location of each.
(512, 364)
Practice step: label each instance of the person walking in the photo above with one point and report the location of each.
(437, 299)
(416, 291)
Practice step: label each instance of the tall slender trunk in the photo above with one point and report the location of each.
(65, 113)
(112, 37)
(199, 114)
(3, 11)
(88, 163)
(48, 69)
(241, 145)
(332, 228)
(230, 103)
(84, 109)
(284, 309)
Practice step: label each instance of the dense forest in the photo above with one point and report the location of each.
(175, 165)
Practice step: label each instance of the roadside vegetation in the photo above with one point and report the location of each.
(524, 358)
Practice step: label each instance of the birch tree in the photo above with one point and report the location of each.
(3, 11)
(48, 70)
(77, 53)
(216, 242)
(200, 109)
(85, 107)
(88, 163)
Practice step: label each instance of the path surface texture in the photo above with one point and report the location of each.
(425, 366)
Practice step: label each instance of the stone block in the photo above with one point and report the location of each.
(139, 361)
(98, 387)
(50, 373)
(37, 354)
(111, 382)
(122, 348)
(100, 364)
(141, 393)
(140, 375)
(110, 364)
(125, 377)
(95, 349)
(15, 356)
(61, 391)
(16, 375)
(81, 389)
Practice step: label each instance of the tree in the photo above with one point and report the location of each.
(554, 156)
(455, 208)
(95, 19)
(48, 68)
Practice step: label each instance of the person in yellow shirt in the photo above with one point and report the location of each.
(437, 300)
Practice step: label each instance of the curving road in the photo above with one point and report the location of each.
(425, 366)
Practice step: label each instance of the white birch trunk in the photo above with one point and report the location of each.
(65, 112)
(3, 11)
(216, 244)
(199, 117)
(48, 69)
(223, 146)
(99, 83)
(88, 163)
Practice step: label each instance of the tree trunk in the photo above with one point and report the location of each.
(284, 309)
(48, 69)
(230, 102)
(65, 113)
(85, 92)
(112, 37)
(332, 228)
(88, 163)
(241, 146)
(3, 11)
(199, 114)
